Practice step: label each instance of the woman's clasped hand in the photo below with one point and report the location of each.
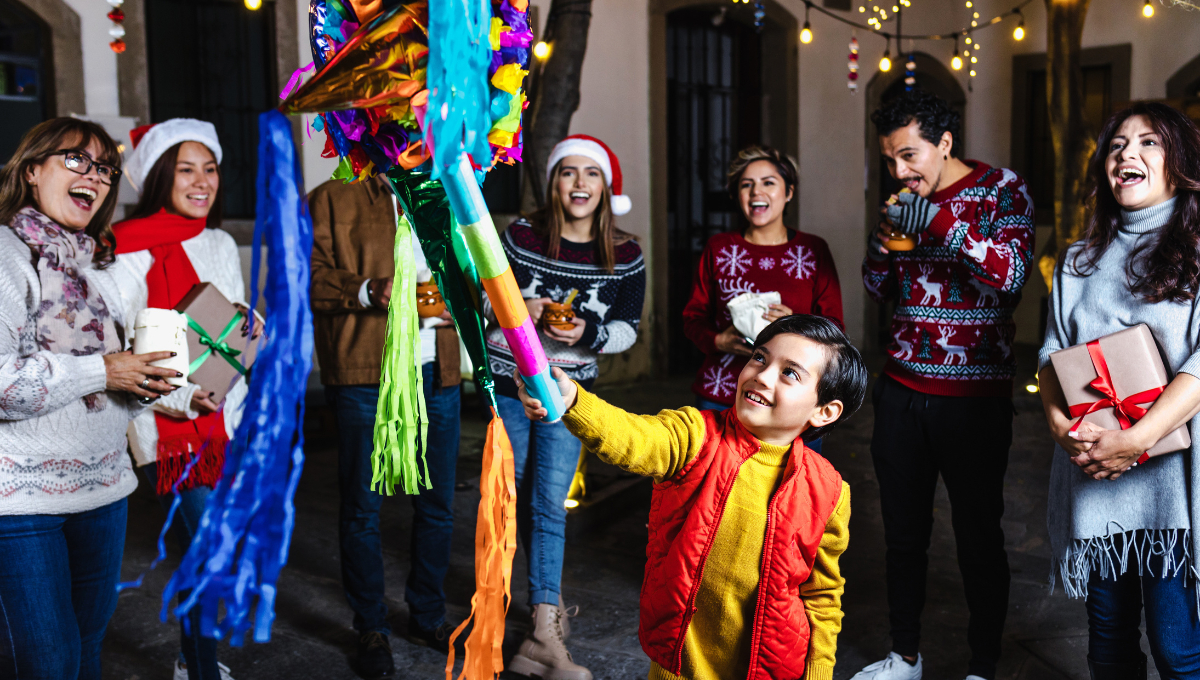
(129, 372)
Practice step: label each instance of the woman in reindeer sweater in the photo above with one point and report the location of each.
(572, 243)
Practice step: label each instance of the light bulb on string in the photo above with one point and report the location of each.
(253, 4)
(806, 32)
(1147, 9)
(541, 50)
(1019, 31)
(972, 73)
(885, 63)
(968, 40)
(956, 61)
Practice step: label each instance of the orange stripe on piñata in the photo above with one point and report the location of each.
(505, 296)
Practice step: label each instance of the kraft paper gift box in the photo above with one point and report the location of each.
(1112, 381)
(222, 321)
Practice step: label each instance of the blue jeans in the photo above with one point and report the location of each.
(707, 405)
(546, 456)
(199, 653)
(358, 514)
(1114, 610)
(58, 589)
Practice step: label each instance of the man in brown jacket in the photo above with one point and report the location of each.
(354, 229)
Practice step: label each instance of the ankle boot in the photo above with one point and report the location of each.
(567, 614)
(1128, 670)
(543, 653)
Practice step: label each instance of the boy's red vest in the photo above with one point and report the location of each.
(684, 514)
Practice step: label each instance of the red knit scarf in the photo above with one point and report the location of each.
(170, 278)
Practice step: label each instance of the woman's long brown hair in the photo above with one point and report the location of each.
(36, 146)
(548, 221)
(160, 184)
(1168, 267)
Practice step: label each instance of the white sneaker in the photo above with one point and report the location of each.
(894, 667)
(181, 671)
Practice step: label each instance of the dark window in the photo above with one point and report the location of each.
(24, 60)
(713, 110)
(214, 60)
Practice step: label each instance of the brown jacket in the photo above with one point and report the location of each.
(354, 232)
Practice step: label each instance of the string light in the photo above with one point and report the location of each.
(885, 64)
(956, 61)
(1147, 9)
(253, 4)
(806, 32)
(541, 50)
(1019, 31)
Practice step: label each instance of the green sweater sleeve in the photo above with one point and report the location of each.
(657, 446)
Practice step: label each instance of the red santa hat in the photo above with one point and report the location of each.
(596, 150)
(150, 142)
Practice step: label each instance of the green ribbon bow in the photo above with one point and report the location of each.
(219, 345)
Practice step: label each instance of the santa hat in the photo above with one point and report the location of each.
(150, 142)
(596, 150)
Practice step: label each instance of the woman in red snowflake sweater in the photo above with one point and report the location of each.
(765, 256)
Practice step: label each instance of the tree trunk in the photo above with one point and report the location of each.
(1073, 144)
(556, 91)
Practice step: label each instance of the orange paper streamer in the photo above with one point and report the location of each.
(495, 545)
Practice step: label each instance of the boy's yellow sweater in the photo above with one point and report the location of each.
(717, 642)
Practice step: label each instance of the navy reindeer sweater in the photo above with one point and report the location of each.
(955, 293)
(611, 304)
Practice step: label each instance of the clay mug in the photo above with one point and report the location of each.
(429, 300)
(559, 315)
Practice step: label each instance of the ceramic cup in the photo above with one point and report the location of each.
(558, 315)
(163, 330)
(429, 300)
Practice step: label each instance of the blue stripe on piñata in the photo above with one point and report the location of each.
(243, 538)
(459, 95)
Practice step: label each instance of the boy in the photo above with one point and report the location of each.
(746, 523)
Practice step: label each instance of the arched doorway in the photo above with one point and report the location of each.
(717, 85)
(26, 80)
(933, 76)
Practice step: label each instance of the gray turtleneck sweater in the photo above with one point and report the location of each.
(1091, 522)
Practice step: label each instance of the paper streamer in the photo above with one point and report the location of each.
(243, 538)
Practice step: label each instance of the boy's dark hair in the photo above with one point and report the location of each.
(932, 114)
(845, 375)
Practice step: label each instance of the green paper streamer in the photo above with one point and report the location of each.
(400, 419)
(425, 203)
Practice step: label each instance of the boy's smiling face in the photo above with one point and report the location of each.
(777, 390)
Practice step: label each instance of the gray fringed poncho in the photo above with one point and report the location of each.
(1117, 525)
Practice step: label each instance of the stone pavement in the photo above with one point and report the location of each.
(1046, 634)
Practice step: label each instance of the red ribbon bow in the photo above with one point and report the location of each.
(1127, 410)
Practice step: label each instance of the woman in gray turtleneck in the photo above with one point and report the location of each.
(1123, 536)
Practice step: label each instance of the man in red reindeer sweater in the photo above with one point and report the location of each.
(944, 403)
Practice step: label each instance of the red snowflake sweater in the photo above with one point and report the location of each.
(955, 293)
(803, 272)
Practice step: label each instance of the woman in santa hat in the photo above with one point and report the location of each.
(571, 244)
(170, 243)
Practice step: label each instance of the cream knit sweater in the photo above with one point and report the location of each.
(55, 457)
(214, 256)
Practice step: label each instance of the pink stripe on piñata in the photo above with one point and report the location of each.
(526, 348)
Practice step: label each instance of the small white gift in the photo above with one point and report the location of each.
(747, 311)
(163, 330)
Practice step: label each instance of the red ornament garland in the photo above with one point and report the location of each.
(117, 31)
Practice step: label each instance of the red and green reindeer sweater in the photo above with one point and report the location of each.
(955, 293)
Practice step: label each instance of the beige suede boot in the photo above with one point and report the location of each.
(543, 653)
(567, 614)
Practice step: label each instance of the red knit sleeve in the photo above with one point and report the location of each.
(998, 247)
(827, 289)
(698, 313)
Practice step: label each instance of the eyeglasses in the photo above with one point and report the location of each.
(80, 163)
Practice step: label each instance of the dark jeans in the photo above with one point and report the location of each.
(966, 440)
(58, 589)
(545, 456)
(358, 514)
(1114, 610)
(198, 652)
(706, 405)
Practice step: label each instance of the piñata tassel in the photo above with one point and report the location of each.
(243, 538)
(495, 545)
(400, 420)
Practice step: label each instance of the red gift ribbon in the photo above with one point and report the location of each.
(1127, 410)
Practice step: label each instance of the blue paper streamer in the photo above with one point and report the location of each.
(456, 76)
(243, 538)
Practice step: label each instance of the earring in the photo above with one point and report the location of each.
(946, 158)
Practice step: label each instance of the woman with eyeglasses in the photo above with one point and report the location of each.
(67, 394)
(171, 242)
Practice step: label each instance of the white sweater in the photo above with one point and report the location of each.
(214, 256)
(55, 457)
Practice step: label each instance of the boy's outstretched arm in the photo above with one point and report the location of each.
(656, 446)
(822, 592)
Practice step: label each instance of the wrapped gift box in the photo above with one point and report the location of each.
(1135, 375)
(206, 306)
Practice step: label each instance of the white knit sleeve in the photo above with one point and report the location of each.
(33, 384)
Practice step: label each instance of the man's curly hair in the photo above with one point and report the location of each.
(932, 114)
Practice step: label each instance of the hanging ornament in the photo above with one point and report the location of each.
(760, 13)
(117, 31)
(910, 72)
(852, 77)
